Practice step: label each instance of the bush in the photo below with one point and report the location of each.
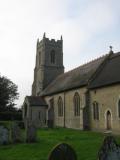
(6, 116)
(21, 124)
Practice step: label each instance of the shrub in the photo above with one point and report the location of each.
(6, 116)
(21, 124)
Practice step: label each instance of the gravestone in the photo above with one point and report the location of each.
(110, 150)
(4, 135)
(31, 133)
(62, 151)
(16, 133)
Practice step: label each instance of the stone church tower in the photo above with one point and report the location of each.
(49, 63)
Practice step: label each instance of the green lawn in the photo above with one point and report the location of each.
(85, 143)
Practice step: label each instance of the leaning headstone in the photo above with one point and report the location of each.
(31, 133)
(4, 135)
(63, 151)
(110, 150)
(16, 135)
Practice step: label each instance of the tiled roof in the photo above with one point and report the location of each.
(110, 74)
(77, 77)
(36, 101)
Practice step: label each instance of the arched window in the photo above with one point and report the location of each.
(108, 118)
(119, 108)
(60, 107)
(95, 111)
(52, 57)
(76, 101)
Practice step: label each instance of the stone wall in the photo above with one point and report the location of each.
(107, 99)
(68, 119)
(45, 71)
(35, 114)
(38, 115)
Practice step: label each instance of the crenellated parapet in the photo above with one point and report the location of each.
(49, 63)
(50, 42)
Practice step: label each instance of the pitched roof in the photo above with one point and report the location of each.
(36, 101)
(110, 74)
(77, 77)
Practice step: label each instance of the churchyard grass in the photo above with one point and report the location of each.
(85, 143)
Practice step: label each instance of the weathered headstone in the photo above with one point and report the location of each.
(62, 151)
(110, 150)
(4, 135)
(31, 133)
(16, 133)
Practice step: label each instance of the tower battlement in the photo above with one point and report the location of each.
(52, 42)
(49, 63)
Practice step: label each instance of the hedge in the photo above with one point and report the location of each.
(8, 116)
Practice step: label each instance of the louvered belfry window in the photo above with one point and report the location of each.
(52, 57)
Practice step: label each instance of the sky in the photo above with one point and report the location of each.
(88, 28)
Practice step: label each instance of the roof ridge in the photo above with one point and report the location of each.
(33, 96)
(115, 55)
(100, 67)
(109, 74)
(83, 65)
(66, 74)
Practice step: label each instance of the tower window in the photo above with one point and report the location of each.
(95, 111)
(60, 107)
(52, 57)
(76, 101)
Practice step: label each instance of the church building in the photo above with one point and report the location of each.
(87, 97)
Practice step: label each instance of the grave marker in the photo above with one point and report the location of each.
(4, 135)
(110, 150)
(62, 151)
(31, 133)
(16, 133)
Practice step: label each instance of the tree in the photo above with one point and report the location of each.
(8, 94)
